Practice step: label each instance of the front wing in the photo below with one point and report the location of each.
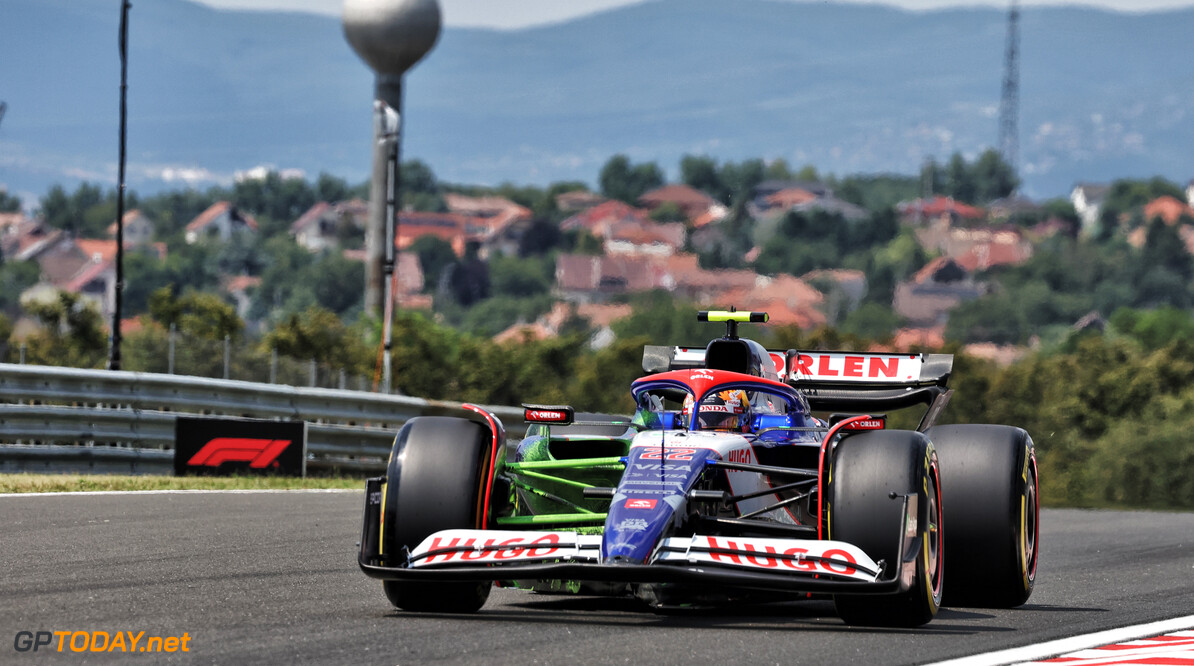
(766, 564)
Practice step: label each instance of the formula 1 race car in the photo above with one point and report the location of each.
(743, 475)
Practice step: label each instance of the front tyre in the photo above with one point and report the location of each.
(434, 482)
(991, 491)
(871, 474)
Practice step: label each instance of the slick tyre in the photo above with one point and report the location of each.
(871, 474)
(990, 496)
(434, 481)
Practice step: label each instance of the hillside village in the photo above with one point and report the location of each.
(660, 241)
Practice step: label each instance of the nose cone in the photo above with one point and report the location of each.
(634, 527)
(391, 35)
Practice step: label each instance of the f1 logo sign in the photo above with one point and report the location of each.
(259, 453)
(214, 445)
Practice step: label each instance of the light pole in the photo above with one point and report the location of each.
(114, 359)
(390, 36)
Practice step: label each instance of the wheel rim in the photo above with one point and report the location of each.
(1028, 524)
(933, 539)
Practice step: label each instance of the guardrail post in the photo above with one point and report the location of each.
(227, 354)
(170, 354)
(273, 365)
(22, 353)
(343, 379)
(313, 370)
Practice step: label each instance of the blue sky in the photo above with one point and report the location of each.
(522, 13)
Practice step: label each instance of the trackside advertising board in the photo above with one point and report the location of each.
(239, 446)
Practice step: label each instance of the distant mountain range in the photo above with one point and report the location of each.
(846, 88)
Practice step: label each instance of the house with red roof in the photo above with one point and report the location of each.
(324, 224)
(597, 219)
(1169, 209)
(789, 197)
(586, 279)
(86, 266)
(577, 200)
(221, 221)
(649, 238)
(692, 202)
(918, 339)
(788, 301)
(25, 239)
(241, 288)
(843, 288)
(938, 208)
(978, 248)
(454, 228)
(494, 214)
(626, 230)
(927, 297)
(138, 228)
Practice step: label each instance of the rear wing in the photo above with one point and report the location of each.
(842, 381)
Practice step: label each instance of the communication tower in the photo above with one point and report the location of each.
(1009, 103)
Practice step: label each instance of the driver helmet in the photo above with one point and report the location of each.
(723, 410)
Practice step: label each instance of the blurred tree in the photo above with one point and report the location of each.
(418, 177)
(331, 189)
(959, 180)
(172, 211)
(72, 331)
(871, 320)
(520, 277)
(541, 237)
(932, 179)
(198, 314)
(778, 169)
(281, 200)
(1126, 195)
(435, 257)
(601, 380)
(9, 203)
(625, 182)
(15, 278)
(321, 335)
(469, 279)
(701, 172)
(426, 357)
(740, 179)
(877, 192)
(280, 280)
(668, 211)
(337, 283)
(1154, 328)
(993, 178)
(143, 274)
(663, 321)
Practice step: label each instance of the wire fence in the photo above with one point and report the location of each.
(244, 359)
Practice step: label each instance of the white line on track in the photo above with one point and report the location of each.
(245, 491)
(1072, 644)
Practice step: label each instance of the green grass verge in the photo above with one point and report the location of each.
(61, 483)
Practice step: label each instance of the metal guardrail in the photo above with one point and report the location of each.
(349, 430)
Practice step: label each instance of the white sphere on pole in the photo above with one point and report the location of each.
(391, 35)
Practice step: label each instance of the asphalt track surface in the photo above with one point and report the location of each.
(272, 578)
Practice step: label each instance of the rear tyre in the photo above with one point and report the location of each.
(991, 493)
(434, 483)
(871, 473)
